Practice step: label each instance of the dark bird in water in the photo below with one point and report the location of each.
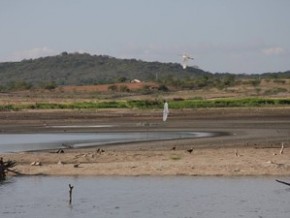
(189, 150)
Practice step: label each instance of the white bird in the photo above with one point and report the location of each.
(282, 148)
(185, 59)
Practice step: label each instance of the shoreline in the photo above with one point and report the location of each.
(252, 147)
(201, 162)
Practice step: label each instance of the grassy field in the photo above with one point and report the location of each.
(146, 96)
(151, 104)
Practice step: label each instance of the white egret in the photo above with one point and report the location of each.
(185, 59)
(165, 111)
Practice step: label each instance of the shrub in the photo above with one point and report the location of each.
(279, 81)
(113, 88)
(124, 88)
(275, 91)
(50, 85)
(163, 88)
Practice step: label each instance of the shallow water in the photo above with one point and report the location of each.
(25, 142)
(142, 197)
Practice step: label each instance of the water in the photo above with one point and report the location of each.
(25, 142)
(144, 197)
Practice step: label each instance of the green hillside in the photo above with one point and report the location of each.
(84, 69)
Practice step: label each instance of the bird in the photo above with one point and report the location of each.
(282, 148)
(100, 150)
(36, 163)
(189, 150)
(185, 59)
(173, 148)
(76, 165)
(237, 153)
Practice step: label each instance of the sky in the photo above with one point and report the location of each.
(234, 36)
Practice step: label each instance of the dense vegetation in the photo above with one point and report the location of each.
(151, 104)
(86, 69)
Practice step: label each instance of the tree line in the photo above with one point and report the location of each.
(85, 69)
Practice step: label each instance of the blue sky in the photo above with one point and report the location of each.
(235, 36)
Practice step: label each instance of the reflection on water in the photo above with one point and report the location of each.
(25, 142)
(123, 197)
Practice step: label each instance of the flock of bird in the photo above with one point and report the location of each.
(190, 150)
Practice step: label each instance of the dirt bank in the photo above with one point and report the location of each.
(250, 144)
(210, 161)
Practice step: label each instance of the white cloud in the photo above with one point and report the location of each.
(273, 51)
(31, 54)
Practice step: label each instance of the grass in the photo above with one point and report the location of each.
(152, 104)
(245, 102)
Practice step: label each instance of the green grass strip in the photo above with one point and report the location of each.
(151, 104)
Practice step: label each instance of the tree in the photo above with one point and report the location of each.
(163, 87)
(122, 79)
(50, 85)
(4, 167)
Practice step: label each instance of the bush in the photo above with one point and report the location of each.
(279, 81)
(18, 85)
(113, 88)
(50, 86)
(163, 88)
(124, 88)
(275, 91)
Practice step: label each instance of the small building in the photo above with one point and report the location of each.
(135, 81)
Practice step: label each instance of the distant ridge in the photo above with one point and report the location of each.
(86, 69)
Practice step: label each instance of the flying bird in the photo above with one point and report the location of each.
(185, 59)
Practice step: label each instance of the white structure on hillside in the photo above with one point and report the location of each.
(135, 81)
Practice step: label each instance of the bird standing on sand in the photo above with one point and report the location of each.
(76, 165)
(189, 150)
(237, 153)
(100, 150)
(282, 148)
(165, 111)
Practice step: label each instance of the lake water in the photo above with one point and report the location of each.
(25, 142)
(144, 197)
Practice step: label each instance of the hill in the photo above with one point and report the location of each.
(86, 69)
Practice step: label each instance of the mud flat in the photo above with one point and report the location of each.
(249, 143)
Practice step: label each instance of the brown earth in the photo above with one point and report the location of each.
(248, 143)
(272, 88)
